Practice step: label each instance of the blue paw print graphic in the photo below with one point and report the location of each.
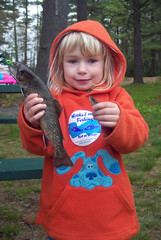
(90, 175)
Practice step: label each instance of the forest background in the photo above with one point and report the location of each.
(28, 28)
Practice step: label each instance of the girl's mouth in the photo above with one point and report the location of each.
(83, 80)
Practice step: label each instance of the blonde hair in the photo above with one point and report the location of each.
(89, 46)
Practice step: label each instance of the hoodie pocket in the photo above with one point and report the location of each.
(91, 213)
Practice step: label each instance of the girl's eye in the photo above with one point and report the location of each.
(92, 60)
(72, 61)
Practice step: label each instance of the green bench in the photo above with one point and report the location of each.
(18, 168)
(9, 89)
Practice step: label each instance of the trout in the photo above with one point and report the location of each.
(49, 122)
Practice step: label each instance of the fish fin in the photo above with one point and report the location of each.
(93, 100)
(58, 106)
(23, 93)
(45, 140)
(62, 161)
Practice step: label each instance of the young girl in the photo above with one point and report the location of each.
(93, 199)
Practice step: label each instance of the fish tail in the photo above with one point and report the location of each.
(93, 100)
(62, 161)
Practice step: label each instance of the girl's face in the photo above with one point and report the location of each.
(82, 72)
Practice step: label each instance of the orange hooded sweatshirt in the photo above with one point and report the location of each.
(93, 200)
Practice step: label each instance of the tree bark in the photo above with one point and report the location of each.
(81, 10)
(152, 50)
(54, 21)
(159, 60)
(138, 69)
(26, 31)
(153, 62)
(15, 33)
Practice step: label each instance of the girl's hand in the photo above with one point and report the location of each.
(34, 109)
(107, 114)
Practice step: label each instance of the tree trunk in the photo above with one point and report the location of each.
(153, 62)
(15, 33)
(54, 21)
(138, 72)
(159, 62)
(26, 30)
(81, 10)
(152, 50)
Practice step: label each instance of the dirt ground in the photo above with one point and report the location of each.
(145, 79)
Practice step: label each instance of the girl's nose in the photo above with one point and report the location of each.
(82, 68)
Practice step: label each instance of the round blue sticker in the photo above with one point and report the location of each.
(83, 129)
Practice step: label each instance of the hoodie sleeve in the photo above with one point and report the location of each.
(131, 130)
(33, 139)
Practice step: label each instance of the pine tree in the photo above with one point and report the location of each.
(81, 10)
(54, 21)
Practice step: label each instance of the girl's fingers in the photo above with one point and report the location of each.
(35, 112)
(37, 117)
(107, 118)
(103, 105)
(34, 109)
(106, 108)
(107, 124)
(30, 102)
(32, 95)
(106, 113)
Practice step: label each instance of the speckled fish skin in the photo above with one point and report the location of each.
(30, 83)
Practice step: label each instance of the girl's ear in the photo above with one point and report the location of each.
(110, 163)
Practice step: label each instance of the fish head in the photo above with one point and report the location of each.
(12, 72)
(21, 74)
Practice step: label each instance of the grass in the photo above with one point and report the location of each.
(8, 99)
(9, 231)
(143, 167)
(10, 213)
(9, 217)
(11, 142)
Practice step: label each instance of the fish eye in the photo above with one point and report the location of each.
(21, 71)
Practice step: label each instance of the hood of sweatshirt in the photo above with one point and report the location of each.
(97, 30)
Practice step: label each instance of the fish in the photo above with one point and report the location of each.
(76, 129)
(30, 83)
(91, 127)
(93, 101)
